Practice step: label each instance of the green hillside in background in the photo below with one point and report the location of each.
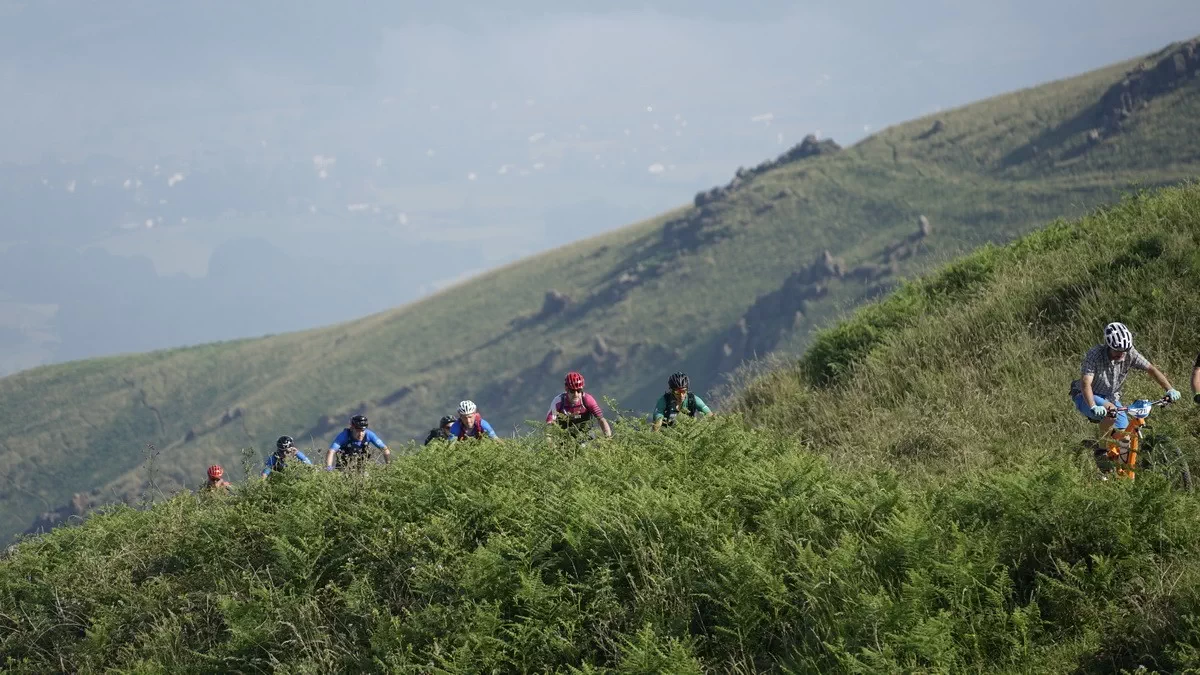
(746, 269)
(911, 496)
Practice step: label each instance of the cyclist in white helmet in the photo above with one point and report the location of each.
(470, 424)
(1104, 368)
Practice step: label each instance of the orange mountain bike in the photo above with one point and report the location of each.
(1124, 448)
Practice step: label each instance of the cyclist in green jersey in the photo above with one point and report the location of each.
(676, 400)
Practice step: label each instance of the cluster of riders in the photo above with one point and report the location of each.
(574, 410)
(1096, 394)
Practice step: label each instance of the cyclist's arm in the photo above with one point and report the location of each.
(594, 408)
(267, 469)
(552, 413)
(702, 407)
(1085, 386)
(376, 441)
(483, 424)
(1158, 376)
(336, 445)
(1196, 375)
(300, 456)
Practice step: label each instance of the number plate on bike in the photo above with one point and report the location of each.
(1140, 408)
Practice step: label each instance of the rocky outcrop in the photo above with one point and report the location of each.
(776, 314)
(707, 224)
(684, 234)
(827, 266)
(554, 303)
(396, 396)
(908, 246)
(869, 271)
(937, 128)
(81, 504)
(811, 146)
(1142, 84)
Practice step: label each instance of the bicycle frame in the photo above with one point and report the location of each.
(1127, 461)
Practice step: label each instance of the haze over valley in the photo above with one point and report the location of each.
(173, 175)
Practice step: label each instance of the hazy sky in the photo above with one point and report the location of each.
(173, 130)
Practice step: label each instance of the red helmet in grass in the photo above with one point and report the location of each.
(215, 472)
(574, 381)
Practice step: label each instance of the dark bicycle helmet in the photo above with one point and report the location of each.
(359, 421)
(446, 421)
(678, 381)
(284, 443)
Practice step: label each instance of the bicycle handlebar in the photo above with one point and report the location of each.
(1165, 400)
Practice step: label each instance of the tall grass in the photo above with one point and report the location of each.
(919, 508)
(714, 548)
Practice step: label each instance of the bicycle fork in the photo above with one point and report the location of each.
(1132, 434)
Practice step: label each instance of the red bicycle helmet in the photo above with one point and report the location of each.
(574, 381)
(215, 472)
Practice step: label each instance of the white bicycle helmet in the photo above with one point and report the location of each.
(466, 407)
(1118, 337)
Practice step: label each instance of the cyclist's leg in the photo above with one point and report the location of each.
(1106, 422)
(1121, 421)
(1098, 445)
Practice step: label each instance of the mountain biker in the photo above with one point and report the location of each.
(285, 449)
(470, 424)
(677, 399)
(1097, 392)
(216, 480)
(442, 432)
(573, 409)
(352, 442)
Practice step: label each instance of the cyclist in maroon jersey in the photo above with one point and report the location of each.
(574, 410)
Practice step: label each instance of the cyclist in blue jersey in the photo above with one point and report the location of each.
(470, 424)
(351, 444)
(285, 449)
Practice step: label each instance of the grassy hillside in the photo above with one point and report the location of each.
(909, 497)
(645, 300)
